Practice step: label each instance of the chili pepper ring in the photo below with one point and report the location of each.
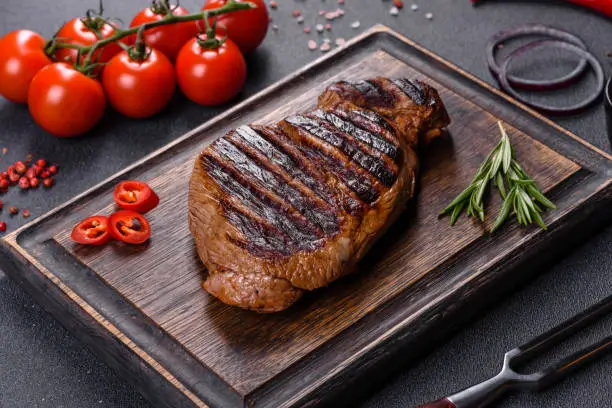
(536, 29)
(547, 109)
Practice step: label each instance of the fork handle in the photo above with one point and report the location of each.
(441, 403)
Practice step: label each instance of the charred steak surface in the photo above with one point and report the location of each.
(277, 210)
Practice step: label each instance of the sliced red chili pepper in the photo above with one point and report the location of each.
(135, 196)
(129, 227)
(92, 231)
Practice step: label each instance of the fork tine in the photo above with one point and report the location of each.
(563, 368)
(562, 331)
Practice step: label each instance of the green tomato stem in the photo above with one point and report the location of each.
(89, 50)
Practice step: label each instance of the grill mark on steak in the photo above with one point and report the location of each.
(353, 180)
(271, 219)
(265, 141)
(311, 207)
(261, 239)
(343, 197)
(268, 183)
(370, 120)
(413, 89)
(348, 126)
(374, 94)
(373, 165)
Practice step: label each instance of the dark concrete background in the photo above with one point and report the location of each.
(41, 365)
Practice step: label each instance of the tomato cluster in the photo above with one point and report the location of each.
(67, 90)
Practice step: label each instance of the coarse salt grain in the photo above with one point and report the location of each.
(355, 24)
(340, 42)
(414, 7)
(429, 16)
(300, 19)
(394, 11)
(275, 27)
(319, 28)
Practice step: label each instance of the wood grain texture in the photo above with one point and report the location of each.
(246, 349)
(420, 271)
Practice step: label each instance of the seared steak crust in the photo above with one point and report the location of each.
(282, 209)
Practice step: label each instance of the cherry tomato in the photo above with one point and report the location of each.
(210, 76)
(92, 231)
(21, 57)
(139, 89)
(168, 39)
(76, 31)
(64, 101)
(129, 227)
(135, 196)
(247, 28)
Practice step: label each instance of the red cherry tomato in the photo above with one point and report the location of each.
(139, 89)
(76, 31)
(168, 39)
(92, 231)
(21, 57)
(64, 101)
(210, 76)
(129, 227)
(135, 196)
(247, 28)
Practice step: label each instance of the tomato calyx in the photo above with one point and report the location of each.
(139, 52)
(95, 20)
(162, 7)
(208, 39)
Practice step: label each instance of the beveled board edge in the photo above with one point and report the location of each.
(11, 241)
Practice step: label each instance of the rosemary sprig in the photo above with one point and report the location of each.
(520, 192)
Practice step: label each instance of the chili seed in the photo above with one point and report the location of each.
(398, 3)
(48, 182)
(340, 1)
(2, 226)
(312, 44)
(328, 27)
(13, 210)
(325, 47)
(340, 42)
(273, 4)
(307, 30)
(296, 13)
(321, 12)
(26, 213)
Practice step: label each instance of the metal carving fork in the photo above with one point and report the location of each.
(482, 394)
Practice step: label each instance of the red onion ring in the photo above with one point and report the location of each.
(547, 109)
(532, 84)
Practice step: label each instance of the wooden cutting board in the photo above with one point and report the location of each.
(143, 310)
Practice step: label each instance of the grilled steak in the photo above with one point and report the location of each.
(277, 210)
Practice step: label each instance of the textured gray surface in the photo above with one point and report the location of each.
(41, 365)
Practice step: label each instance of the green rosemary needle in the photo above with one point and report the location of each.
(520, 192)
